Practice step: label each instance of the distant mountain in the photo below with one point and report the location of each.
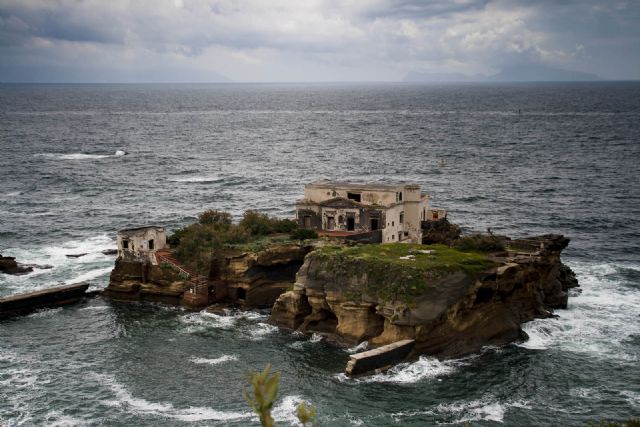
(512, 73)
(414, 76)
(540, 73)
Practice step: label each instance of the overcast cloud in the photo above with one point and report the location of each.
(316, 40)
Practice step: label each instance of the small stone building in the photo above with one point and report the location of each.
(141, 242)
(395, 209)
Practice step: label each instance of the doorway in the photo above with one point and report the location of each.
(351, 224)
(374, 224)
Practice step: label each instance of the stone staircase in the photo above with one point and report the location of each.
(200, 283)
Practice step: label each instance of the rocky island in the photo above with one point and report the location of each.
(336, 273)
(450, 301)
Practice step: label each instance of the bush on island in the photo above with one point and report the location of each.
(303, 234)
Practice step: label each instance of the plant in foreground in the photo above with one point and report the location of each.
(262, 396)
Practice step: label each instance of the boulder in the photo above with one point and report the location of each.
(8, 265)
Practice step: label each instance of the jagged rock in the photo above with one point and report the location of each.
(450, 311)
(75, 255)
(110, 252)
(8, 265)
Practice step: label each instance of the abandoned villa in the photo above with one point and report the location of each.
(383, 212)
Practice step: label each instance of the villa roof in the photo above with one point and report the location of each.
(362, 185)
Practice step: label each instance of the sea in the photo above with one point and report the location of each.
(519, 159)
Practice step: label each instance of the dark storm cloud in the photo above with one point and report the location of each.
(282, 39)
(416, 9)
(57, 21)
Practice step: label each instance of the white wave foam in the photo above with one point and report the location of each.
(74, 156)
(285, 410)
(126, 401)
(632, 397)
(90, 275)
(315, 338)
(358, 348)
(204, 319)
(261, 330)
(484, 409)
(423, 368)
(476, 410)
(56, 255)
(598, 320)
(298, 345)
(45, 312)
(197, 179)
(58, 419)
(216, 361)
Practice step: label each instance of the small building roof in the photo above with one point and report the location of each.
(135, 229)
(362, 185)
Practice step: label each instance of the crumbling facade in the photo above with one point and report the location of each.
(396, 209)
(141, 243)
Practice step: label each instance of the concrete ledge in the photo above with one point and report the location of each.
(21, 304)
(378, 358)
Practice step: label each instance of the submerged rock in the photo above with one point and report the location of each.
(75, 255)
(9, 265)
(451, 302)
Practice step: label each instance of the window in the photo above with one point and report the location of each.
(393, 223)
(393, 237)
(406, 233)
(401, 220)
(356, 197)
(151, 244)
(398, 196)
(125, 244)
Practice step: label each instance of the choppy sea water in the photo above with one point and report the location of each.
(521, 159)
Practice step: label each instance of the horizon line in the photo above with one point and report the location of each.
(316, 82)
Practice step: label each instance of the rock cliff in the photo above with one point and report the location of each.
(251, 278)
(451, 302)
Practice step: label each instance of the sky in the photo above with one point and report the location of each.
(311, 40)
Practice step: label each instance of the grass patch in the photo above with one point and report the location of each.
(397, 271)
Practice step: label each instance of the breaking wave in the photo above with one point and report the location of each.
(484, 409)
(598, 321)
(79, 156)
(126, 401)
(216, 361)
(53, 267)
(198, 179)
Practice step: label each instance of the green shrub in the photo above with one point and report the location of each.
(256, 223)
(215, 217)
(480, 243)
(283, 225)
(174, 239)
(303, 234)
